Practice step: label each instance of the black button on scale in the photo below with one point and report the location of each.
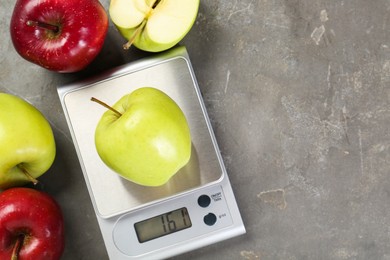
(210, 219)
(204, 201)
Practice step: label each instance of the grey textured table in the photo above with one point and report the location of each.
(298, 94)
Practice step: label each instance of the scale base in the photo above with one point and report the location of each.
(120, 204)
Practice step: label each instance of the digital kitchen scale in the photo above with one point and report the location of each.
(195, 208)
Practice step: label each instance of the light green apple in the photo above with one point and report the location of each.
(27, 145)
(144, 137)
(153, 25)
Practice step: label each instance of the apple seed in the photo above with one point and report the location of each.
(155, 4)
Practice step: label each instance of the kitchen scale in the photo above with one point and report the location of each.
(195, 208)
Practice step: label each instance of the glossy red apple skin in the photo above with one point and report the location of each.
(37, 216)
(82, 24)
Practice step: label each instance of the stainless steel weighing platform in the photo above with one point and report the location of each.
(195, 208)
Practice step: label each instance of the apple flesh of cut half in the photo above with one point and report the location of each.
(153, 25)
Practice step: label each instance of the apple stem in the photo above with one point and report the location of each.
(17, 247)
(28, 175)
(47, 26)
(106, 106)
(127, 45)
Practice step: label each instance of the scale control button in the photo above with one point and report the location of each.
(210, 219)
(204, 201)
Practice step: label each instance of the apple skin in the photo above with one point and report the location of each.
(26, 141)
(35, 216)
(149, 143)
(82, 24)
(168, 15)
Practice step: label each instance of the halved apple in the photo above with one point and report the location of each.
(153, 25)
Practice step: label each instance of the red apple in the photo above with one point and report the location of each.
(63, 36)
(31, 225)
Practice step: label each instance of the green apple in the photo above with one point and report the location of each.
(27, 145)
(144, 137)
(153, 25)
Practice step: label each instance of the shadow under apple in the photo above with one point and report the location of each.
(111, 55)
(185, 179)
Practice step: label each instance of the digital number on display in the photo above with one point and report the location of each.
(162, 225)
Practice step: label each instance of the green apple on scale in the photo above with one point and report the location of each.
(27, 145)
(144, 137)
(153, 25)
